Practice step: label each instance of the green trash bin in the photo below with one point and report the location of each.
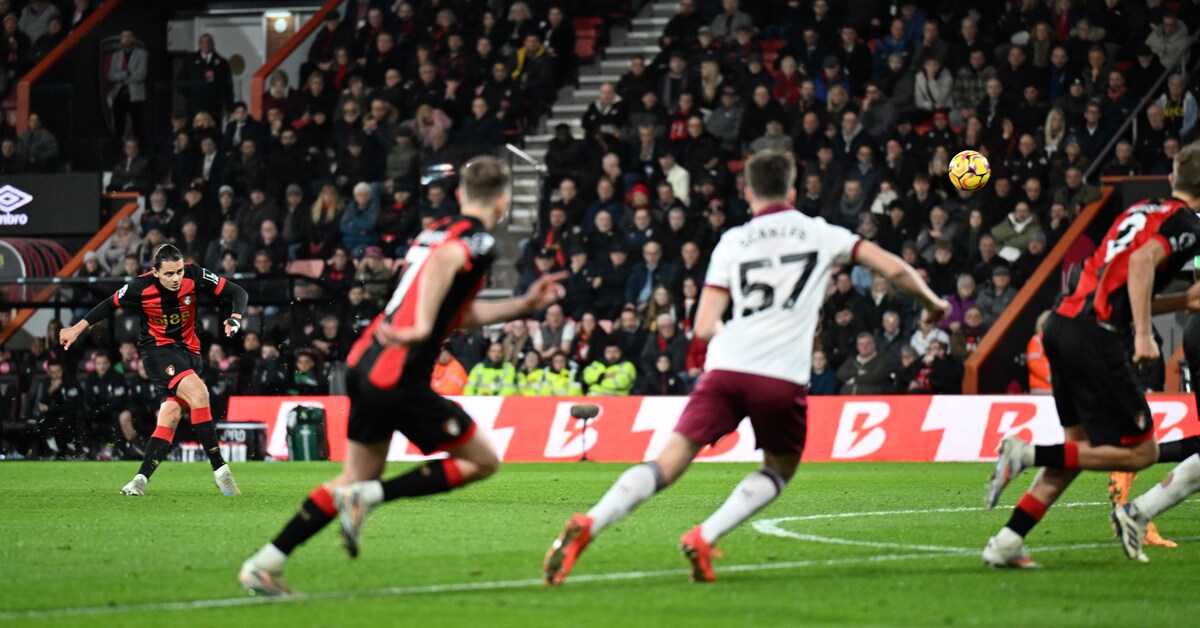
(306, 434)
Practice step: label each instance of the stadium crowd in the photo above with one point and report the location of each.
(872, 98)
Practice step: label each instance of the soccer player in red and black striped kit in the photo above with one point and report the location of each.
(389, 377)
(166, 299)
(1100, 402)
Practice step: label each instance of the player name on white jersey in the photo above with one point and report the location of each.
(775, 268)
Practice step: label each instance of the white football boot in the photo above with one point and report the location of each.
(224, 478)
(1007, 550)
(136, 486)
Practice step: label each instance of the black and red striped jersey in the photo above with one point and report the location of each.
(1102, 290)
(169, 318)
(387, 367)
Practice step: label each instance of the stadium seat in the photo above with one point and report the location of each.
(585, 48)
(307, 267)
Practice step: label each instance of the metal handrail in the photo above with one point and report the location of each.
(1150, 97)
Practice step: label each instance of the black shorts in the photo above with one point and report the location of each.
(432, 422)
(166, 366)
(1095, 384)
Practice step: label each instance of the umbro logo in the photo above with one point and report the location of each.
(12, 199)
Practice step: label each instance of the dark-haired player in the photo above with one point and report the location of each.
(166, 298)
(1100, 403)
(389, 377)
(773, 270)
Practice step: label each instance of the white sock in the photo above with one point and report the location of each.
(750, 496)
(1176, 487)
(372, 492)
(633, 488)
(269, 558)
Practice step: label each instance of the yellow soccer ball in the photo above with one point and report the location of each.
(969, 171)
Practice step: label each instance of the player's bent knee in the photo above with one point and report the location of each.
(485, 467)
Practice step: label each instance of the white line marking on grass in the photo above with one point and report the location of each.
(462, 587)
(928, 552)
(773, 527)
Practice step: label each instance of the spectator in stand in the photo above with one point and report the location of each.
(36, 17)
(43, 45)
(822, 381)
(124, 241)
(39, 146)
(127, 71)
(1123, 164)
(494, 376)
(1179, 107)
(81, 12)
(358, 223)
(666, 339)
(891, 339)
(867, 373)
(305, 379)
(612, 376)
(926, 334)
(333, 35)
(554, 334)
(207, 77)
(938, 373)
(1015, 231)
(650, 272)
(132, 173)
(661, 380)
(996, 296)
(374, 274)
(279, 94)
(321, 231)
(934, 86)
(1169, 40)
(1075, 194)
(228, 241)
(680, 31)
(533, 70)
(449, 378)
(544, 262)
(530, 375)
(480, 132)
(11, 161)
(962, 300)
(986, 258)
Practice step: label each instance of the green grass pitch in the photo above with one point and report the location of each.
(76, 552)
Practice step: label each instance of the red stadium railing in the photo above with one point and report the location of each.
(1008, 323)
(259, 80)
(25, 85)
(20, 318)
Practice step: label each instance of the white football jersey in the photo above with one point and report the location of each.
(776, 268)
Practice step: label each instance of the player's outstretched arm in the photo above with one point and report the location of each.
(1142, 263)
(68, 335)
(902, 276)
(240, 299)
(437, 275)
(545, 291)
(713, 303)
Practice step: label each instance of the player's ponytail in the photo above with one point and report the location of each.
(166, 253)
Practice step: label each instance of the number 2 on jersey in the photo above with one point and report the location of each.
(1126, 232)
(766, 290)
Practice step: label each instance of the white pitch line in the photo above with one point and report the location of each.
(467, 587)
(462, 587)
